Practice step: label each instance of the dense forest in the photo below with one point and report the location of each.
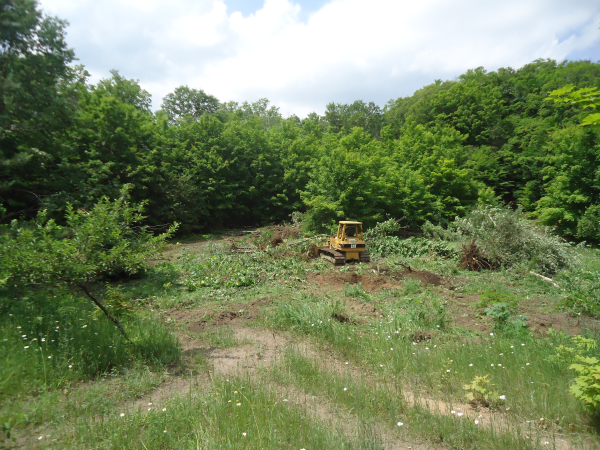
(484, 138)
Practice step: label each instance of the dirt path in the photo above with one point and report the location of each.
(265, 348)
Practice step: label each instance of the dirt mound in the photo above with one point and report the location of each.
(385, 278)
(337, 281)
(540, 323)
(425, 277)
(362, 310)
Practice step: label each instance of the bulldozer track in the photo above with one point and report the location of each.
(337, 258)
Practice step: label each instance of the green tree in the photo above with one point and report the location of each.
(113, 131)
(355, 178)
(104, 240)
(588, 98)
(572, 182)
(344, 118)
(36, 103)
(187, 103)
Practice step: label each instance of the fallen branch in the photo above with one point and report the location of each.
(405, 266)
(549, 280)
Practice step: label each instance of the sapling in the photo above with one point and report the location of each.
(103, 241)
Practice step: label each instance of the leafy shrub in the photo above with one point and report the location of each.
(382, 242)
(582, 289)
(501, 313)
(586, 386)
(104, 241)
(439, 233)
(508, 239)
(412, 247)
(381, 229)
(481, 391)
(588, 227)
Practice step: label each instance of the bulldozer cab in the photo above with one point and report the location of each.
(349, 230)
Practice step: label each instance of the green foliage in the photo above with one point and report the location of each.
(411, 247)
(36, 103)
(500, 313)
(585, 97)
(439, 233)
(588, 227)
(382, 229)
(507, 238)
(570, 180)
(586, 386)
(490, 297)
(436, 155)
(343, 118)
(481, 390)
(104, 241)
(186, 103)
(582, 291)
(587, 383)
(381, 242)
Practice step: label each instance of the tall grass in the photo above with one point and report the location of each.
(238, 413)
(413, 343)
(364, 399)
(50, 339)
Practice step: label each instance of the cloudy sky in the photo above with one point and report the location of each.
(303, 54)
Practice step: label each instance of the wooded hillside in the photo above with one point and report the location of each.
(486, 137)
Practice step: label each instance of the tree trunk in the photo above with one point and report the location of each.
(99, 304)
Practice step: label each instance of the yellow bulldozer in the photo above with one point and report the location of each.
(347, 245)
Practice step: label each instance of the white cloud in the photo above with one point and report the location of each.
(346, 50)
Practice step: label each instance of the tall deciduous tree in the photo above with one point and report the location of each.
(189, 103)
(36, 103)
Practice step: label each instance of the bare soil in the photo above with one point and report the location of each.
(196, 320)
(375, 281)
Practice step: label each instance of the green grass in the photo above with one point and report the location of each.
(384, 401)
(50, 343)
(518, 364)
(215, 421)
